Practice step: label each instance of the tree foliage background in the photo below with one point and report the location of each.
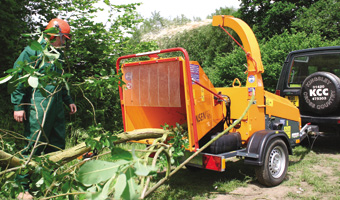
(96, 45)
(280, 27)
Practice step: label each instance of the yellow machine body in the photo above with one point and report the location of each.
(265, 103)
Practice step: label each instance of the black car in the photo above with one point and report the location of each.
(310, 79)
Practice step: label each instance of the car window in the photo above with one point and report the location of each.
(303, 66)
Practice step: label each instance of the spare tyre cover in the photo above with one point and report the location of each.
(320, 93)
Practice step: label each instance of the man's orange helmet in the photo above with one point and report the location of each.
(63, 26)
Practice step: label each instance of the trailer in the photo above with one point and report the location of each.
(238, 121)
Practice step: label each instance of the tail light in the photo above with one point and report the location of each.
(277, 92)
(215, 163)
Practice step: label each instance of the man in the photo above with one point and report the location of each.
(36, 110)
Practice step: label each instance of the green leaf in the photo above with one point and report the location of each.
(96, 171)
(42, 63)
(29, 69)
(58, 64)
(67, 75)
(119, 153)
(104, 193)
(33, 81)
(94, 195)
(43, 92)
(11, 70)
(34, 57)
(130, 191)
(5, 79)
(51, 56)
(67, 87)
(53, 40)
(23, 77)
(142, 170)
(103, 72)
(42, 83)
(11, 87)
(26, 35)
(120, 186)
(41, 38)
(51, 30)
(36, 46)
(65, 187)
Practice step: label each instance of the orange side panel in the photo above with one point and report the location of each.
(156, 92)
(208, 115)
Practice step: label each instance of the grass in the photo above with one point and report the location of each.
(204, 184)
(312, 174)
(316, 171)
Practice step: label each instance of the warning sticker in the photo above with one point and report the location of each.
(282, 121)
(202, 94)
(293, 99)
(250, 91)
(128, 76)
(287, 130)
(195, 72)
(251, 79)
(129, 86)
(295, 135)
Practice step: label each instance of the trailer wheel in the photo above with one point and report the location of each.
(274, 168)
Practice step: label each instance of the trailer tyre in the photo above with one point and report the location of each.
(274, 168)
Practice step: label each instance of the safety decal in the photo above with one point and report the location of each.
(250, 91)
(129, 86)
(251, 79)
(288, 130)
(128, 76)
(293, 99)
(295, 135)
(282, 121)
(195, 73)
(202, 94)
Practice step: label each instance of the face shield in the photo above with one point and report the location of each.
(64, 37)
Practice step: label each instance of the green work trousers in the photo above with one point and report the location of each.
(48, 113)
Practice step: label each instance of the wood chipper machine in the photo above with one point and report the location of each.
(172, 90)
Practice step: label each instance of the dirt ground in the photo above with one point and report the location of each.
(314, 175)
(255, 191)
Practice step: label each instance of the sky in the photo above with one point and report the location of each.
(174, 8)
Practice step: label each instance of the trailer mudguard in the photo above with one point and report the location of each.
(258, 142)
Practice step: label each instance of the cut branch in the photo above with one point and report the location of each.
(7, 160)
